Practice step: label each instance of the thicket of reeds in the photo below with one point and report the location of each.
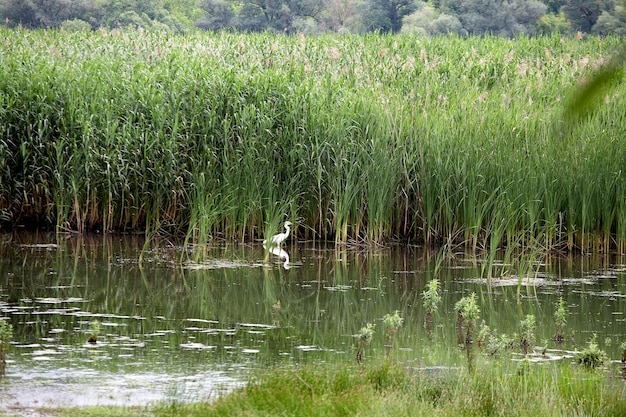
(355, 138)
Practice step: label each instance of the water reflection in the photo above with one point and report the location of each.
(214, 313)
(282, 254)
(36, 388)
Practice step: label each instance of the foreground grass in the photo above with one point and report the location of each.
(384, 390)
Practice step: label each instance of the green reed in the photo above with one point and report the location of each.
(363, 139)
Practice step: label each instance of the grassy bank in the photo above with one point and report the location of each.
(388, 390)
(356, 138)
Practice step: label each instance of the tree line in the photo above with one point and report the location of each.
(430, 18)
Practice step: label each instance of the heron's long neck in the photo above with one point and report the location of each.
(288, 229)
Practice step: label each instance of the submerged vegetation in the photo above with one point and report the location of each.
(360, 138)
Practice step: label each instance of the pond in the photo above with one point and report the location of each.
(176, 323)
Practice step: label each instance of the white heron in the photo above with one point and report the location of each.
(277, 240)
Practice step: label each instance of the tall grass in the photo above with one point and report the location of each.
(360, 138)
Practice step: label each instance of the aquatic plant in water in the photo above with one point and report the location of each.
(432, 298)
(94, 332)
(392, 323)
(484, 332)
(364, 337)
(496, 344)
(467, 313)
(490, 343)
(592, 356)
(527, 337)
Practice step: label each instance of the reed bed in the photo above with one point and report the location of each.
(366, 139)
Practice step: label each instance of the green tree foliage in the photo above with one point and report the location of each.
(612, 20)
(553, 23)
(498, 17)
(339, 15)
(42, 13)
(427, 20)
(219, 14)
(386, 15)
(554, 6)
(583, 14)
(185, 11)
(258, 15)
(98, 13)
(134, 13)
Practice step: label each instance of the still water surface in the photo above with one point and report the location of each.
(189, 324)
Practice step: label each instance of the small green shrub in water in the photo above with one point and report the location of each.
(492, 344)
(392, 323)
(364, 338)
(483, 334)
(467, 313)
(592, 356)
(94, 332)
(527, 338)
(497, 344)
(432, 299)
(6, 331)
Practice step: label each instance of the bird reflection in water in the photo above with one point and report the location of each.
(282, 254)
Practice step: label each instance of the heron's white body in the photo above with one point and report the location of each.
(277, 240)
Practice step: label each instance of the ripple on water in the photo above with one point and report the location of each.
(68, 387)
